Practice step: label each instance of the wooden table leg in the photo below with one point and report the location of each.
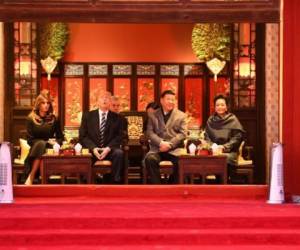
(89, 177)
(250, 176)
(43, 172)
(203, 176)
(225, 177)
(181, 175)
(15, 176)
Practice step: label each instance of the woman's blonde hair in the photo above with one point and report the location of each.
(35, 115)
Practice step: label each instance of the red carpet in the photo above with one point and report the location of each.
(147, 217)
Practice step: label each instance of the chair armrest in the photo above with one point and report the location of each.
(16, 152)
(249, 152)
(125, 148)
(145, 144)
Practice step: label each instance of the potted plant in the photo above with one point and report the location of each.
(53, 38)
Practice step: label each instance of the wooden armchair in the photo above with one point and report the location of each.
(19, 154)
(135, 152)
(104, 167)
(242, 167)
(166, 167)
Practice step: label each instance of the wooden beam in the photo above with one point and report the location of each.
(143, 11)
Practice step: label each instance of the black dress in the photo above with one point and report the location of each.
(38, 136)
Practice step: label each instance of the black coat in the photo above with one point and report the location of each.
(89, 132)
(43, 131)
(226, 131)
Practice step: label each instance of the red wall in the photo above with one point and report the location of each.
(291, 94)
(130, 43)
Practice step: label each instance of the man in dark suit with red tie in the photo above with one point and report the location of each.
(101, 132)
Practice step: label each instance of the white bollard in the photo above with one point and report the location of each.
(276, 191)
(6, 191)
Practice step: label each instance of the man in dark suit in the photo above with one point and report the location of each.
(101, 132)
(166, 131)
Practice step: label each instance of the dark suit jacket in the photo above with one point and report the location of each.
(89, 132)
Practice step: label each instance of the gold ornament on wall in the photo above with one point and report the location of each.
(215, 66)
(211, 44)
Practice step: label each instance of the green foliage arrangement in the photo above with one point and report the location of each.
(211, 40)
(53, 39)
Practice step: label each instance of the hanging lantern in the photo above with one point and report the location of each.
(49, 65)
(215, 66)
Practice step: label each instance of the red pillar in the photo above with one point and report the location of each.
(291, 96)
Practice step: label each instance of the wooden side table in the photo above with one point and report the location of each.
(66, 165)
(202, 165)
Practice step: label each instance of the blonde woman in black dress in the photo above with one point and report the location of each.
(43, 131)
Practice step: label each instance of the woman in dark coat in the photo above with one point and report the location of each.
(224, 129)
(43, 131)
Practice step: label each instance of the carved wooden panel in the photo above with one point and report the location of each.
(121, 89)
(145, 92)
(145, 70)
(73, 101)
(193, 101)
(97, 85)
(98, 69)
(122, 70)
(135, 126)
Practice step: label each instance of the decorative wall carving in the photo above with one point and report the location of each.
(73, 101)
(98, 70)
(135, 127)
(169, 70)
(74, 70)
(145, 92)
(96, 86)
(122, 70)
(145, 70)
(193, 70)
